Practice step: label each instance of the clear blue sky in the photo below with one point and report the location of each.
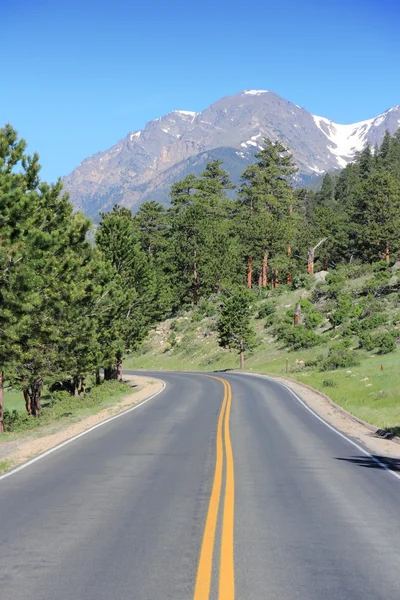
(76, 76)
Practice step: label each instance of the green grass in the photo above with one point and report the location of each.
(376, 399)
(13, 400)
(60, 409)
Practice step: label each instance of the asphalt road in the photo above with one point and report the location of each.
(210, 490)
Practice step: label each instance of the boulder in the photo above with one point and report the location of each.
(320, 276)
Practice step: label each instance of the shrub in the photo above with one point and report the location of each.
(301, 280)
(336, 282)
(313, 319)
(338, 357)
(367, 341)
(385, 342)
(329, 383)
(178, 326)
(297, 337)
(266, 309)
(14, 420)
(373, 321)
(172, 339)
(197, 317)
(206, 308)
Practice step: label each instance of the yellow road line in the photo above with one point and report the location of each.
(203, 579)
(226, 572)
(227, 568)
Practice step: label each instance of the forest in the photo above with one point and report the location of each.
(71, 308)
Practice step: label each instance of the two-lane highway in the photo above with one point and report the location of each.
(221, 487)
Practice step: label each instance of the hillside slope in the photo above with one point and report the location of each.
(370, 388)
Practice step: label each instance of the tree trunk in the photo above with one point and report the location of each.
(219, 287)
(83, 385)
(27, 399)
(387, 253)
(119, 368)
(275, 279)
(265, 270)
(260, 279)
(297, 314)
(195, 285)
(289, 278)
(107, 373)
(75, 385)
(241, 359)
(249, 271)
(35, 395)
(97, 377)
(1, 403)
(310, 262)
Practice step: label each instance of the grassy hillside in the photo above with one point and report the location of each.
(349, 317)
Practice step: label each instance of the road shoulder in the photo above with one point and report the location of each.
(325, 408)
(28, 448)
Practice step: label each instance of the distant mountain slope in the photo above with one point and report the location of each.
(145, 163)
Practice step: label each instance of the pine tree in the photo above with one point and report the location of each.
(267, 215)
(234, 328)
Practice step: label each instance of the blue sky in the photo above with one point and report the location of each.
(77, 76)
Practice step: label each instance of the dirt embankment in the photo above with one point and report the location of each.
(17, 452)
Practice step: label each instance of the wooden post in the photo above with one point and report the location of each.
(387, 253)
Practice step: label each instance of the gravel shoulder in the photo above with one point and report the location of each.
(17, 452)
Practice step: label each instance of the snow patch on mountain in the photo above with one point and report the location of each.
(188, 113)
(345, 140)
(255, 92)
(137, 134)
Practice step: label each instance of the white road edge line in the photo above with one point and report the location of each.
(75, 437)
(342, 435)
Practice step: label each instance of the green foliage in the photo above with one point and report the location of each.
(234, 329)
(384, 342)
(329, 383)
(267, 309)
(297, 337)
(339, 357)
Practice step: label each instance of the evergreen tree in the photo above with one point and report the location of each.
(234, 328)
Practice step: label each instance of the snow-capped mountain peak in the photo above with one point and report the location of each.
(143, 165)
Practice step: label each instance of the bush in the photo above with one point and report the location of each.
(313, 319)
(385, 342)
(367, 341)
(329, 383)
(336, 282)
(297, 337)
(178, 326)
(267, 309)
(206, 308)
(14, 420)
(302, 280)
(172, 339)
(338, 357)
(197, 317)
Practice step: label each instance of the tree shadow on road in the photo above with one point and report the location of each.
(372, 462)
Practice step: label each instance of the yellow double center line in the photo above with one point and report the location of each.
(226, 568)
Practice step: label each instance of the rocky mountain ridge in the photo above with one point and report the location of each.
(145, 163)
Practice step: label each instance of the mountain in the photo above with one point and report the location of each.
(143, 165)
